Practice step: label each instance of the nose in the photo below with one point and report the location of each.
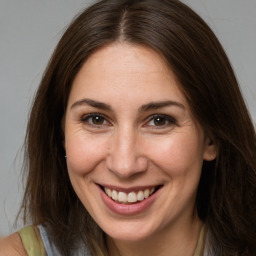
(126, 157)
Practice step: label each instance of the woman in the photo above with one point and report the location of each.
(139, 141)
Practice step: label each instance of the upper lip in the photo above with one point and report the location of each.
(128, 189)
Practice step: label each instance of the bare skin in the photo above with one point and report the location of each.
(12, 246)
(188, 247)
(114, 140)
(128, 127)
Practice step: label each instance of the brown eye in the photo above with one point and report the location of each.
(95, 120)
(159, 121)
(98, 120)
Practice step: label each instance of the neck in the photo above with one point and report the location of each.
(177, 240)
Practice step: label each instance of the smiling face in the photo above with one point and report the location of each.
(134, 151)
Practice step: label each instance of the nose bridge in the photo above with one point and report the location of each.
(125, 158)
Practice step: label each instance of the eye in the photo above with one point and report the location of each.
(161, 121)
(95, 119)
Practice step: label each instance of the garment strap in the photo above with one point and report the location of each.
(32, 241)
(201, 242)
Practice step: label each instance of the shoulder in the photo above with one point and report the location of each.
(12, 246)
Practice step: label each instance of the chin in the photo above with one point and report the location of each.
(130, 231)
(128, 236)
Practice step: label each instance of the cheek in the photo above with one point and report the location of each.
(177, 154)
(84, 153)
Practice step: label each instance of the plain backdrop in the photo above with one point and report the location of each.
(30, 30)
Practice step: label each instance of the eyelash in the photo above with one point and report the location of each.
(165, 118)
(86, 118)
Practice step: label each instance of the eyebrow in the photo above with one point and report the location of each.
(160, 104)
(146, 107)
(93, 103)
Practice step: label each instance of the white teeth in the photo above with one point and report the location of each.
(108, 192)
(131, 197)
(122, 197)
(140, 196)
(146, 193)
(114, 195)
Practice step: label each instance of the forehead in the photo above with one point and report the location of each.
(124, 69)
(133, 56)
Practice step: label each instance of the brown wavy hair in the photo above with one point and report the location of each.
(226, 198)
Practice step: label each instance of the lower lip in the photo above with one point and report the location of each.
(128, 209)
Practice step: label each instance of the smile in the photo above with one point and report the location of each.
(131, 197)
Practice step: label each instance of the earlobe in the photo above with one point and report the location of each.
(211, 150)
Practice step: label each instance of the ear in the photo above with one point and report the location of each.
(210, 150)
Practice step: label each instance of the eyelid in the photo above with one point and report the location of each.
(85, 118)
(170, 119)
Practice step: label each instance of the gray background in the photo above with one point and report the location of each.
(29, 31)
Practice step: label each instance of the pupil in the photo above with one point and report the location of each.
(97, 120)
(159, 121)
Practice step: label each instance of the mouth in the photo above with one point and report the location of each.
(131, 197)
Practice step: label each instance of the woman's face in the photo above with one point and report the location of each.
(134, 150)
